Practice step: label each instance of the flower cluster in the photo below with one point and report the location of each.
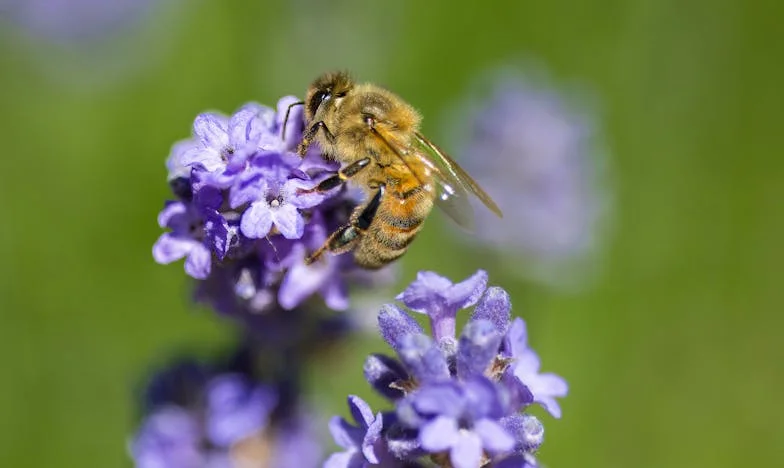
(247, 213)
(459, 401)
(545, 173)
(221, 416)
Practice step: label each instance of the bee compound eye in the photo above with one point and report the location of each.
(317, 100)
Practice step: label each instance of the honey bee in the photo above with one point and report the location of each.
(375, 136)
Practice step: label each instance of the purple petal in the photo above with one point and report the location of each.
(483, 399)
(516, 341)
(478, 347)
(545, 389)
(467, 292)
(525, 460)
(257, 220)
(218, 234)
(170, 211)
(236, 409)
(372, 436)
(423, 293)
(394, 324)
(494, 306)
(344, 434)
(169, 248)
(297, 194)
(335, 293)
(208, 198)
(294, 126)
(442, 399)
(175, 164)
(350, 459)
(288, 220)
(300, 282)
(199, 262)
(208, 159)
(250, 188)
(466, 451)
(495, 439)
(439, 434)
(360, 411)
(423, 358)
(520, 395)
(168, 437)
(211, 130)
(381, 372)
(245, 126)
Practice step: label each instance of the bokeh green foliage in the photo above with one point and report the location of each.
(674, 356)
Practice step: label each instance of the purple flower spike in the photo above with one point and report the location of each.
(437, 297)
(359, 441)
(544, 387)
(247, 214)
(458, 403)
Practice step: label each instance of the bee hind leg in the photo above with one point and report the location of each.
(345, 238)
(341, 241)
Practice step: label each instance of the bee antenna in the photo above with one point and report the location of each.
(286, 119)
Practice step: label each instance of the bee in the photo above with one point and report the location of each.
(375, 136)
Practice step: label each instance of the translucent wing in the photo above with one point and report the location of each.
(452, 182)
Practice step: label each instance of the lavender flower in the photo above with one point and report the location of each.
(545, 173)
(247, 213)
(459, 400)
(218, 416)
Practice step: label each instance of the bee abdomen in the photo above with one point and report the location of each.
(387, 240)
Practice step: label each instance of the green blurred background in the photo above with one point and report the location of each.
(674, 356)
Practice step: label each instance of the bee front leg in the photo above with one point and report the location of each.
(340, 177)
(310, 135)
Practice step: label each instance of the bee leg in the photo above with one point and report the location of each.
(340, 241)
(346, 237)
(310, 135)
(340, 177)
(286, 119)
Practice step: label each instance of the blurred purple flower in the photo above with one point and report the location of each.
(537, 156)
(458, 400)
(246, 217)
(180, 436)
(200, 415)
(75, 20)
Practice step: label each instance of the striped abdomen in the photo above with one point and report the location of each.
(398, 220)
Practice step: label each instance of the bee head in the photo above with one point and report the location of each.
(326, 89)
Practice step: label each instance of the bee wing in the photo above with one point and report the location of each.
(453, 183)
